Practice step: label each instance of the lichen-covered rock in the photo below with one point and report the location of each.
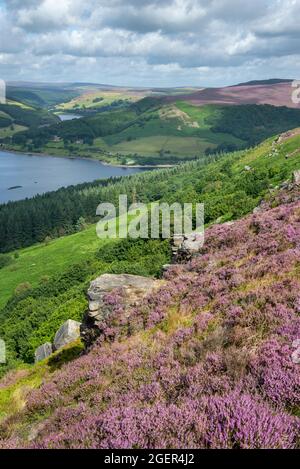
(43, 351)
(66, 334)
(131, 287)
(296, 176)
(2, 352)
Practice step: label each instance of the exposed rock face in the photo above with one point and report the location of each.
(186, 246)
(43, 351)
(132, 289)
(296, 177)
(66, 334)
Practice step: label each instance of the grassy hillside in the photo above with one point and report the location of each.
(58, 291)
(11, 130)
(204, 362)
(45, 284)
(41, 96)
(97, 98)
(16, 118)
(223, 183)
(153, 132)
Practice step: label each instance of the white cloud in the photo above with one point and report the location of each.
(189, 40)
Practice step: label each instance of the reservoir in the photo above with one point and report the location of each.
(24, 176)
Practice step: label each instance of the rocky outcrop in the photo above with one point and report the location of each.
(67, 333)
(184, 247)
(42, 352)
(132, 288)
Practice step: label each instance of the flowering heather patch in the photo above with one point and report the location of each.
(203, 363)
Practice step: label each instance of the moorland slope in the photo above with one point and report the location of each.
(206, 362)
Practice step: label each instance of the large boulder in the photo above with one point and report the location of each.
(66, 334)
(132, 288)
(43, 351)
(186, 246)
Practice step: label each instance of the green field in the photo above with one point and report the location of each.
(95, 98)
(199, 114)
(42, 260)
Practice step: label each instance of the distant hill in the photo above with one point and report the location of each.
(206, 361)
(275, 94)
(271, 81)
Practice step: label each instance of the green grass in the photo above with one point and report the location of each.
(4, 114)
(18, 103)
(14, 389)
(153, 132)
(45, 260)
(199, 114)
(260, 159)
(183, 146)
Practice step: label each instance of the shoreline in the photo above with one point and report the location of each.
(105, 163)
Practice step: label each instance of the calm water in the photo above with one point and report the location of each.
(39, 174)
(68, 116)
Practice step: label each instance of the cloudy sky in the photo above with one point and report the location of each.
(149, 42)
